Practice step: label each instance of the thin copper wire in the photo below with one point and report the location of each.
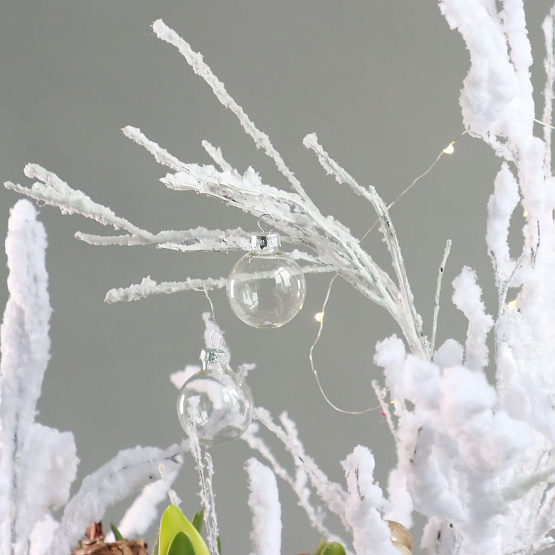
(213, 320)
(328, 293)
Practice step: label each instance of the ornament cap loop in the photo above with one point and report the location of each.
(212, 356)
(215, 339)
(265, 242)
(267, 217)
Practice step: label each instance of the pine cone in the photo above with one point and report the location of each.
(94, 544)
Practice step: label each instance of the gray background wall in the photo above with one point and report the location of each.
(378, 81)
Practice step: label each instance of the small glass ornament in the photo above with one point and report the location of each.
(223, 407)
(400, 538)
(266, 288)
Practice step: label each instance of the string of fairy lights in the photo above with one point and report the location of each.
(320, 316)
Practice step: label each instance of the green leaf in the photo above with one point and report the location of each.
(198, 520)
(181, 545)
(219, 542)
(117, 533)
(334, 548)
(321, 547)
(174, 521)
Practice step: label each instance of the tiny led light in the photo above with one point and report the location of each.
(319, 317)
(512, 305)
(525, 214)
(449, 149)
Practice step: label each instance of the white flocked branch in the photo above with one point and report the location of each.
(475, 459)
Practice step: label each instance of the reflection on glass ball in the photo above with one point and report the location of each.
(266, 290)
(223, 405)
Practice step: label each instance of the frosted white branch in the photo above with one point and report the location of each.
(161, 155)
(371, 535)
(144, 510)
(298, 484)
(205, 478)
(130, 470)
(501, 205)
(438, 293)
(216, 154)
(411, 322)
(149, 287)
(196, 62)
(266, 509)
(29, 487)
(467, 297)
(51, 190)
(331, 493)
(549, 66)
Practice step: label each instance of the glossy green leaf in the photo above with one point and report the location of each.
(174, 521)
(198, 520)
(321, 547)
(219, 541)
(117, 533)
(334, 548)
(181, 545)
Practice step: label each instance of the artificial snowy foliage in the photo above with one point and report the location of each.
(266, 510)
(34, 487)
(475, 458)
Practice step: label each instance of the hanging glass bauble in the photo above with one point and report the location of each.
(223, 405)
(266, 287)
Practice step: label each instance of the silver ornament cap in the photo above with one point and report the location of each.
(262, 243)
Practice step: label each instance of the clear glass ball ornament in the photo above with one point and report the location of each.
(215, 400)
(266, 288)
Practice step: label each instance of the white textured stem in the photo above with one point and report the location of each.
(549, 66)
(413, 324)
(149, 287)
(438, 293)
(196, 62)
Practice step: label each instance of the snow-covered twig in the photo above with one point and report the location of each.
(438, 293)
(149, 287)
(411, 321)
(31, 486)
(205, 478)
(200, 68)
(298, 484)
(144, 510)
(549, 66)
(130, 470)
(467, 297)
(266, 509)
(50, 189)
(365, 504)
(331, 493)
